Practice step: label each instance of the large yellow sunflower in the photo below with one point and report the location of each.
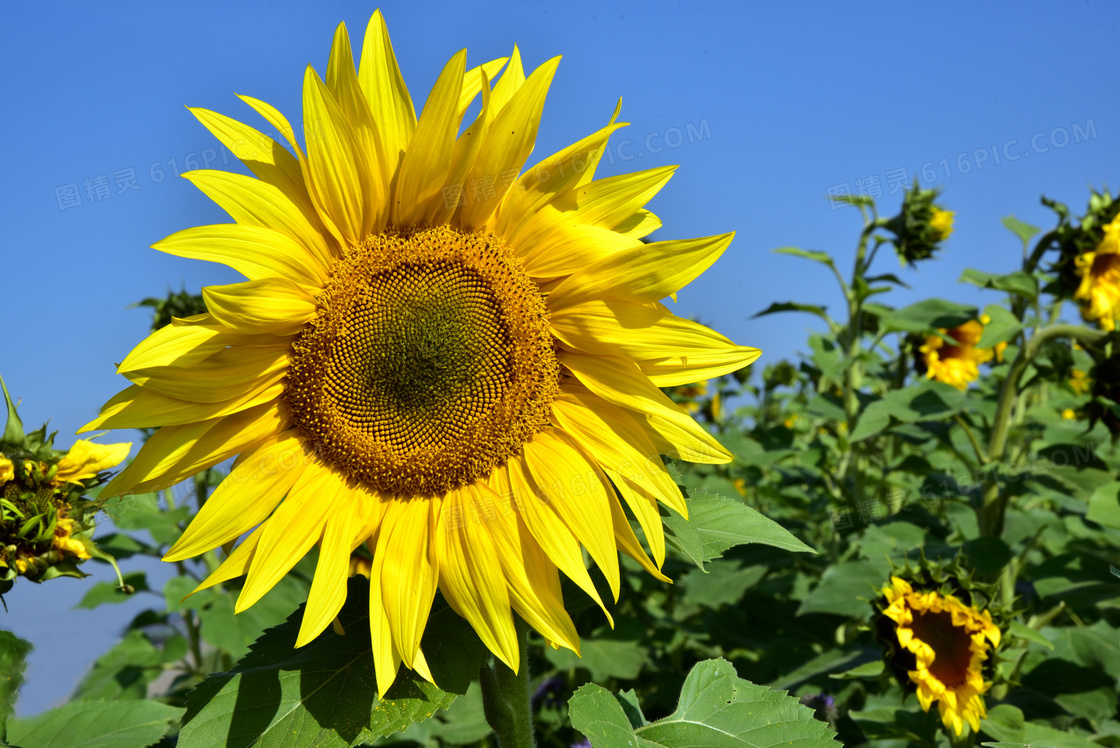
(949, 642)
(1099, 290)
(432, 355)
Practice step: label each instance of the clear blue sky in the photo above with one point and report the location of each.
(783, 103)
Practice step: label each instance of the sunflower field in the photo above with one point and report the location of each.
(445, 469)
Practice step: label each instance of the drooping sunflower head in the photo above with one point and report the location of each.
(956, 361)
(938, 645)
(920, 226)
(436, 354)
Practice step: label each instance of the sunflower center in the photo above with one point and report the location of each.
(430, 362)
(952, 646)
(1106, 265)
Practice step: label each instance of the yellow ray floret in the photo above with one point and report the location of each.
(437, 353)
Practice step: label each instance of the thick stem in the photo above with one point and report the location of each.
(993, 506)
(506, 698)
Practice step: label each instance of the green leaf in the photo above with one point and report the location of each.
(109, 592)
(793, 306)
(724, 523)
(1020, 229)
(809, 254)
(1026, 632)
(95, 724)
(1104, 505)
(724, 583)
(325, 693)
(125, 671)
(845, 589)
(234, 633)
(1023, 284)
(1002, 327)
(13, 661)
(463, 722)
(683, 535)
(143, 512)
(927, 315)
(617, 653)
(13, 429)
(717, 709)
(986, 555)
(866, 670)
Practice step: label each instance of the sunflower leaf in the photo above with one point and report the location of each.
(325, 693)
(716, 709)
(95, 724)
(13, 661)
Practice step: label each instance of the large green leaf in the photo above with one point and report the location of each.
(1023, 284)
(325, 693)
(845, 589)
(13, 661)
(125, 671)
(717, 709)
(724, 523)
(607, 653)
(95, 724)
(927, 315)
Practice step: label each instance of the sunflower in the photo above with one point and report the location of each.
(946, 644)
(957, 363)
(436, 355)
(1099, 291)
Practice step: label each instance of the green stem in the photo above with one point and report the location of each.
(980, 456)
(993, 506)
(506, 698)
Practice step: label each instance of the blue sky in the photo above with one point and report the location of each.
(766, 107)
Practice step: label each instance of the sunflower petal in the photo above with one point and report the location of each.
(292, 529)
(236, 565)
(252, 202)
(650, 272)
(270, 305)
(477, 79)
(328, 587)
(258, 481)
(228, 374)
(427, 162)
(253, 251)
(622, 383)
(387, 94)
(470, 573)
(409, 570)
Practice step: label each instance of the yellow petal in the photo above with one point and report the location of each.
(640, 331)
(386, 657)
(252, 202)
(533, 581)
(266, 158)
(228, 374)
(678, 370)
(178, 452)
(292, 529)
(550, 532)
(628, 541)
(86, 459)
(270, 305)
(509, 140)
(462, 160)
(409, 570)
(511, 81)
(258, 481)
(622, 383)
(328, 587)
(477, 79)
(338, 172)
(179, 345)
(138, 407)
(647, 273)
(342, 82)
(428, 161)
(236, 565)
(386, 93)
(470, 573)
(253, 251)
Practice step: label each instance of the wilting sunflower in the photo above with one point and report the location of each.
(957, 363)
(453, 364)
(1099, 291)
(942, 645)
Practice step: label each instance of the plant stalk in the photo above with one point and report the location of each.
(506, 697)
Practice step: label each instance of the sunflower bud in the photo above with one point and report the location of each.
(46, 524)
(920, 226)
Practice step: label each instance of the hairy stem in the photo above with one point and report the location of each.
(506, 698)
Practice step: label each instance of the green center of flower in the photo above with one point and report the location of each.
(952, 646)
(430, 363)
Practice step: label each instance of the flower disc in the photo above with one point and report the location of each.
(430, 364)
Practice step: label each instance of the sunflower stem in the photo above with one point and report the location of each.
(506, 697)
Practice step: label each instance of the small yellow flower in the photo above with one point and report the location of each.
(956, 363)
(950, 642)
(1069, 414)
(1099, 292)
(65, 543)
(86, 459)
(740, 486)
(1079, 382)
(7, 470)
(790, 420)
(942, 222)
